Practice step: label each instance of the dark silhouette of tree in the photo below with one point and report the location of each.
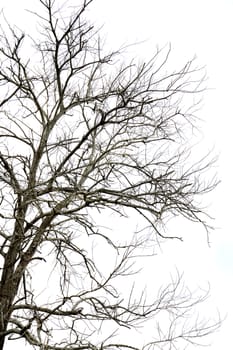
(84, 136)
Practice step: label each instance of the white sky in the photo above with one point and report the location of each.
(203, 28)
(194, 27)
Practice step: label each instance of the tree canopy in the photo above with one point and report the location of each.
(86, 136)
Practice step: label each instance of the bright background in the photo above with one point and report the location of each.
(201, 28)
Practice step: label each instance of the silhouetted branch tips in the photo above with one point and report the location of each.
(84, 138)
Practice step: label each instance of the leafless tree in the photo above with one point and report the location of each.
(84, 137)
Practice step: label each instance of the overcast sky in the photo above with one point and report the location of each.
(201, 28)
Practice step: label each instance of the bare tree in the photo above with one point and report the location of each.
(84, 136)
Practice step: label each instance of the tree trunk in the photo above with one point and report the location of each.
(2, 342)
(5, 303)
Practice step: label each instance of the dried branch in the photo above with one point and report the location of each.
(83, 137)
